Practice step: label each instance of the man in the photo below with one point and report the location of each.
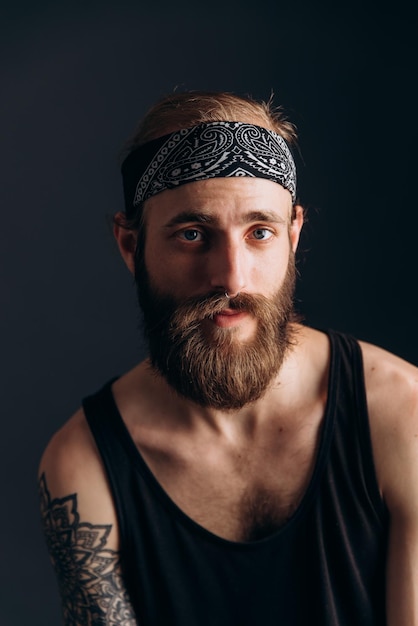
(252, 470)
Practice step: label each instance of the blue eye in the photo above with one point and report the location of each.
(262, 233)
(191, 234)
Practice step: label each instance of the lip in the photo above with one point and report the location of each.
(228, 318)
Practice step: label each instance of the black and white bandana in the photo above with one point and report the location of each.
(215, 149)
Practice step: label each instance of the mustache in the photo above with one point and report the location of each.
(195, 309)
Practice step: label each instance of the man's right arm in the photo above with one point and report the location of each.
(80, 527)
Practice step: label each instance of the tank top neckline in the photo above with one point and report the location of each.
(134, 455)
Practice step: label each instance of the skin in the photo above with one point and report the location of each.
(235, 235)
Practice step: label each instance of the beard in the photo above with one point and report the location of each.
(213, 368)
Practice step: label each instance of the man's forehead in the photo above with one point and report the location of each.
(242, 200)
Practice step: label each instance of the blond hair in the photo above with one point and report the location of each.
(185, 109)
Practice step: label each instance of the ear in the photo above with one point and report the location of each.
(126, 240)
(296, 226)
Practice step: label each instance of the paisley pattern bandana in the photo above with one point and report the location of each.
(215, 149)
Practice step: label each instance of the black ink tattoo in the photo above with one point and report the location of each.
(89, 574)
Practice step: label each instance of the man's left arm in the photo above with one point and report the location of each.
(392, 395)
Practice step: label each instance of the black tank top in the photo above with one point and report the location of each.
(324, 567)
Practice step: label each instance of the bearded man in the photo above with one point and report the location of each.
(251, 470)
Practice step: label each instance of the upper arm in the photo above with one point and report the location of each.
(392, 391)
(80, 527)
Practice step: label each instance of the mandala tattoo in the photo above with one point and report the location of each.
(89, 574)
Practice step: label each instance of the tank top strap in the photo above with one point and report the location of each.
(352, 436)
(110, 435)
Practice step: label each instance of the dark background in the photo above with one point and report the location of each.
(75, 77)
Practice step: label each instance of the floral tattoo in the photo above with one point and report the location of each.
(89, 574)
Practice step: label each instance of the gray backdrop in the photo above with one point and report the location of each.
(74, 80)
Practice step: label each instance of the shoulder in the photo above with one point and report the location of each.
(71, 469)
(383, 366)
(392, 399)
(71, 455)
(391, 387)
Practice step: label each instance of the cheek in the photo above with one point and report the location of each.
(154, 265)
(272, 271)
(166, 270)
(154, 257)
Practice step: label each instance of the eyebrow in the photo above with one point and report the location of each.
(202, 217)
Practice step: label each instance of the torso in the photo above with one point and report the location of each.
(239, 489)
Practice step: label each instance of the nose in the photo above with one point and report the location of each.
(227, 268)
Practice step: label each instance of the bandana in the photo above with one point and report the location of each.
(216, 149)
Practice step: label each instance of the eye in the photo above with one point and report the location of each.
(191, 234)
(262, 234)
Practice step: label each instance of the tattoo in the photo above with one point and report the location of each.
(89, 574)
